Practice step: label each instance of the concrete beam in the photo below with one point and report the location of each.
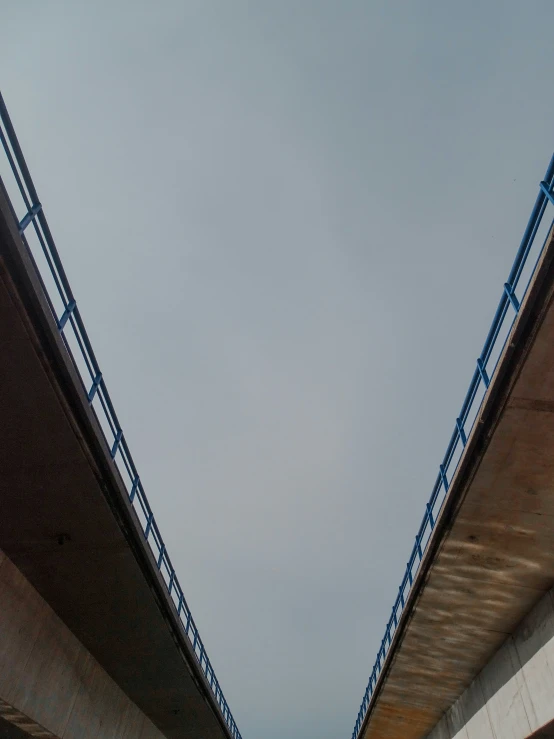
(512, 697)
(50, 685)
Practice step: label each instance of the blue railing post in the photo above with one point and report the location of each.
(95, 384)
(462, 433)
(401, 594)
(511, 296)
(483, 373)
(70, 307)
(116, 443)
(430, 516)
(29, 217)
(148, 526)
(547, 190)
(134, 488)
(443, 478)
(418, 545)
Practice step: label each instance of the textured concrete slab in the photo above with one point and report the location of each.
(491, 557)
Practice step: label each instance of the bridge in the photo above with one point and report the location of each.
(468, 651)
(96, 636)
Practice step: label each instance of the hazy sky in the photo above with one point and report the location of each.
(287, 224)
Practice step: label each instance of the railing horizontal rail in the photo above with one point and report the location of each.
(72, 330)
(504, 318)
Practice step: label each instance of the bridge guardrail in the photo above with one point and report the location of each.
(522, 272)
(72, 330)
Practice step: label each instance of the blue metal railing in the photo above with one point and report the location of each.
(74, 335)
(482, 376)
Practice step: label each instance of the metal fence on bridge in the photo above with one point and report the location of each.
(34, 230)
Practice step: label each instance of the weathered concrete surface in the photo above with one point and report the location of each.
(57, 478)
(50, 685)
(491, 557)
(513, 696)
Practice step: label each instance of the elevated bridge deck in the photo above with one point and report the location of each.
(70, 521)
(489, 555)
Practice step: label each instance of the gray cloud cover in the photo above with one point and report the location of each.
(287, 225)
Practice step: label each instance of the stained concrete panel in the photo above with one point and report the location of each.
(20, 623)
(50, 685)
(57, 663)
(534, 643)
(477, 722)
(456, 722)
(505, 693)
(513, 696)
(98, 708)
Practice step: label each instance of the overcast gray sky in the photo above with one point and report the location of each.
(287, 224)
